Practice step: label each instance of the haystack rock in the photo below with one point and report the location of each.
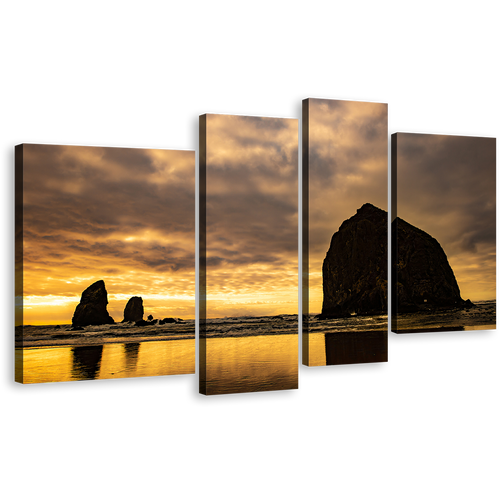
(423, 276)
(355, 266)
(134, 310)
(92, 307)
(355, 269)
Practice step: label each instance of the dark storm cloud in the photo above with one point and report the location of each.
(326, 166)
(347, 164)
(111, 211)
(449, 177)
(447, 187)
(348, 146)
(345, 135)
(98, 195)
(252, 186)
(252, 203)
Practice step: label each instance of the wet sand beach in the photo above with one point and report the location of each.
(240, 360)
(111, 360)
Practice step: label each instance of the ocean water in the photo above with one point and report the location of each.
(59, 335)
(50, 335)
(244, 326)
(482, 317)
(244, 354)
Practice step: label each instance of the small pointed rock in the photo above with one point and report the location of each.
(134, 310)
(92, 307)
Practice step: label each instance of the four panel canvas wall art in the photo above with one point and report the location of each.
(105, 249)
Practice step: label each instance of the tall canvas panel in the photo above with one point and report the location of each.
(443, 233)
(105, 263)
(248, 254)
(344, 267)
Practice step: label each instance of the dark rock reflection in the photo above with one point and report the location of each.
(86, 362)
(131, 354)
(356, 347)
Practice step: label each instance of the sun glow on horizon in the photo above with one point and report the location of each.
(124, 216)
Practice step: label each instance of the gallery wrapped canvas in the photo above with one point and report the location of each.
(344, 235)
(105, 262)
(248, 254)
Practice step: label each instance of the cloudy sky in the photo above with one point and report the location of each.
(252, 216)
(348, 146)
(446, 187)
(126, 216)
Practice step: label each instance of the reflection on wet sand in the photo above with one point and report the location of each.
(131, 354)
(119, 360)
(262, 363)
(356, 347)
(86, 362)
(247, 364)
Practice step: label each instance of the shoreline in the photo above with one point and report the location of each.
(451, 329)
(77, 342)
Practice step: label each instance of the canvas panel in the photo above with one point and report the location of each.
(248, 254)
(105, 262)
(344, 260)
(443, 233)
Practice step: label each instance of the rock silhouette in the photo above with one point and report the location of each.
(355, 266)
(422, 276)
(134, 310)
(164, 321)
(355, 269)
(92, 307)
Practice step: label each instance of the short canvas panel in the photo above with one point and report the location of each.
(443, 233)
(344, 239)
(248, 254)
(105, 263)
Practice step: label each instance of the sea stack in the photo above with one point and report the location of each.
(355, 269)
(134, 310)
(355, 266)
(422, 276)
(92, 307)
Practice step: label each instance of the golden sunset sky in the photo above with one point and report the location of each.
(446, 186)
(252, 216)
(126, 216)
(348, 151)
